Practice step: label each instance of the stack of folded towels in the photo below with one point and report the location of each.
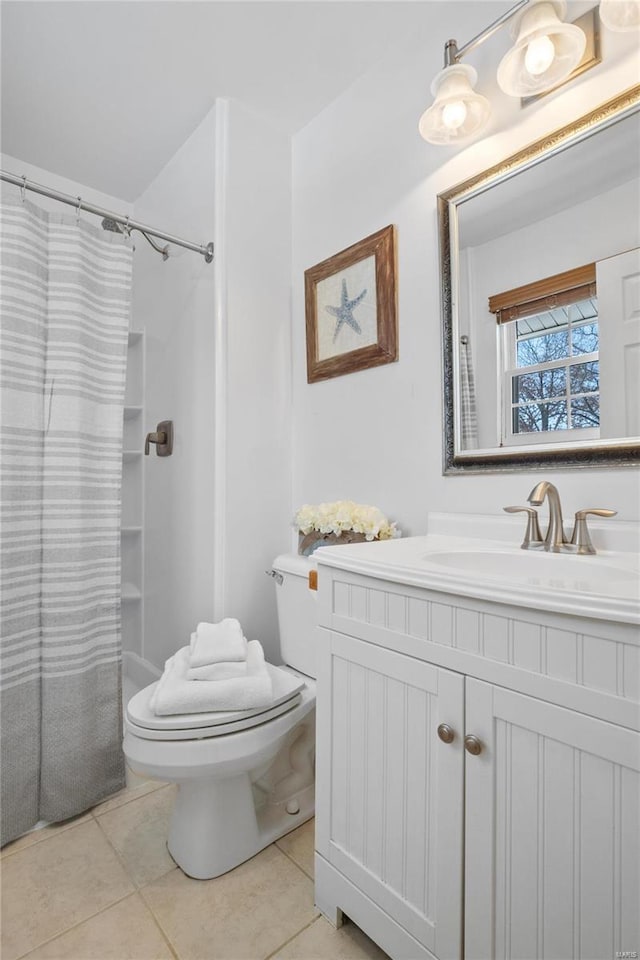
(219, 670)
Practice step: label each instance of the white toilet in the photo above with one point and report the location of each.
(244, 778)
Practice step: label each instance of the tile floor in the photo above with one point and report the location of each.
(103, 887)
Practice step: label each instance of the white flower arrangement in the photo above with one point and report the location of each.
(345, 515)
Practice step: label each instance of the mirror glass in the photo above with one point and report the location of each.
(541, 296)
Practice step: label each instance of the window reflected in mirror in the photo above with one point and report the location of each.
(548, 343)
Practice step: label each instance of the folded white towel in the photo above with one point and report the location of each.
(176, 694)
(217, 671)
(217, 642)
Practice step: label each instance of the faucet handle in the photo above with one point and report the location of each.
(532, 536)
(580, 536)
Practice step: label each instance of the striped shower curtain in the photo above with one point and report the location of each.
(65, 299)
(468, 416)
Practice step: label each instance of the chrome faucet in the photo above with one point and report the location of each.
(555, 540)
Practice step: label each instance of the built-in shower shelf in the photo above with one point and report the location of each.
(132, 529)
(129, 592)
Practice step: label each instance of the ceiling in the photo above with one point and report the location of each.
(598, 163)
(105, 92)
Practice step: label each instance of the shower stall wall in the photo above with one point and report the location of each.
(176, 378)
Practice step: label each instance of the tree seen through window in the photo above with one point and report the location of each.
(555, 376)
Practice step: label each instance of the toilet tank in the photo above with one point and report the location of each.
(297, 612)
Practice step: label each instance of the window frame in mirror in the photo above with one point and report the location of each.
(615, 452)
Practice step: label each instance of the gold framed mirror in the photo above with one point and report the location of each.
(540, 295)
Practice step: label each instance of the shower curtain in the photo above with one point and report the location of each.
(65, 300)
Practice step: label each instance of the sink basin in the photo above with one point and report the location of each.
(604, 586)
(557, 571)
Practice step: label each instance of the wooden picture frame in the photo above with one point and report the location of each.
(350, 299)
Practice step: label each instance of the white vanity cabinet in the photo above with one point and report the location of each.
(528, 849)
(552, 831)
(389, 793)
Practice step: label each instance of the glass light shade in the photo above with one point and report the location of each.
(457, 111)
(620, 15)
(528, 68)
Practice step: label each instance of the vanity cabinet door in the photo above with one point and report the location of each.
(390, 791)
(552, 831)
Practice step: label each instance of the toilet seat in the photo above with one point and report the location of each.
(195, 726)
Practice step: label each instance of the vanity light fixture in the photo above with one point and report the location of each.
(545, 53)
(620, 15)
(546, 50)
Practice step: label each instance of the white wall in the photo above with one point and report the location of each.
(174, 303)
(218, 364)
(375, 436)
(255, 494)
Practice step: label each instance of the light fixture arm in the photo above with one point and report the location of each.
(454, 54)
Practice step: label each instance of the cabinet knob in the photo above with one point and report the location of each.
(446, 733)
(472, 745)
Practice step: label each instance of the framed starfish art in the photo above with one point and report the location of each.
(350, 305)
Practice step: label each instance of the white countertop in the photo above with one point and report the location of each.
(605, 586)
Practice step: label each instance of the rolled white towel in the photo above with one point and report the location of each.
(217, 643)
(175, 694)
(226, 670)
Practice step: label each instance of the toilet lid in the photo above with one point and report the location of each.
(286, 694)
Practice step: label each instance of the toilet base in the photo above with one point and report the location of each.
(215, 825)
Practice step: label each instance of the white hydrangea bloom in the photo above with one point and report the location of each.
(306, 518)
(345, 515)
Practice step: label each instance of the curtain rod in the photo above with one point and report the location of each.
(206, 250)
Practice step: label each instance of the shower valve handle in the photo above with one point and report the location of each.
(163, 439)
(159, 438)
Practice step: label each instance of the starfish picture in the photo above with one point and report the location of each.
(344, 312)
